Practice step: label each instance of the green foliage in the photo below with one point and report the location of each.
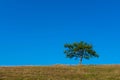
(80, 50)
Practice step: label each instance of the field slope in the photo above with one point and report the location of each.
(61, 72)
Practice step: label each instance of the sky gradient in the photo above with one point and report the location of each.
(33, 32)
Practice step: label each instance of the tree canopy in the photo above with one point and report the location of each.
(80, 50)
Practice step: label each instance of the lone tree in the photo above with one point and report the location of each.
(80, 50)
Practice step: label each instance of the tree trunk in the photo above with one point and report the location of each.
(81, 56)
(80, 60)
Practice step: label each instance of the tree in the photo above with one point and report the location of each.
(80, 50)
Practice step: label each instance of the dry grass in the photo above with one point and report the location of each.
(99, 72)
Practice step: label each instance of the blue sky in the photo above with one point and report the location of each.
(33, 32)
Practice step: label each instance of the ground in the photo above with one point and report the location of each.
(61, 72)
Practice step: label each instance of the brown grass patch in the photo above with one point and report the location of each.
(61, 72)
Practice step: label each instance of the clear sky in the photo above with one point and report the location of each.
(33, 32)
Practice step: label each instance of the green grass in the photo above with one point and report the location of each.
(58, 72)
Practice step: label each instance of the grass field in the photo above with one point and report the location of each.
(61, 72)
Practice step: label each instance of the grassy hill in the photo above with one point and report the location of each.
(61, 72)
